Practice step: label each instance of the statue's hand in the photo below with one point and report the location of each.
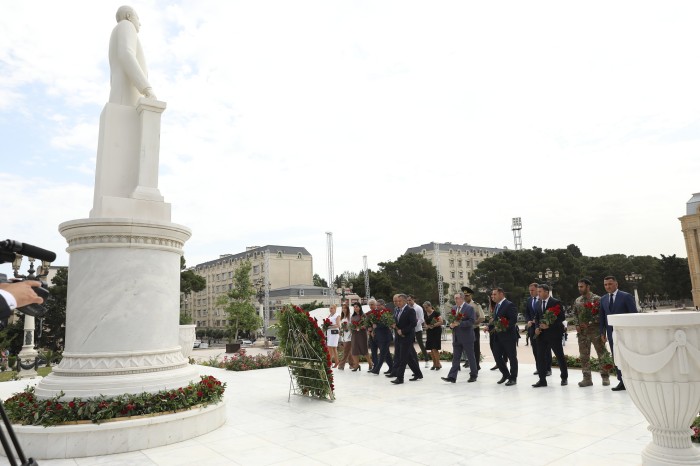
(148, 93)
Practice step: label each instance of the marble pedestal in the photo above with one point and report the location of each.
(659, 355)
(122, 318)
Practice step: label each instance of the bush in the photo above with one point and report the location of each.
(241, 361)
(696, 430)
(25, 408)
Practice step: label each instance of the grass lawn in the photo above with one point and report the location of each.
(8, 375)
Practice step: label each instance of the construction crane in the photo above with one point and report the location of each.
(329, 244)
(517, 227)
(364, 264)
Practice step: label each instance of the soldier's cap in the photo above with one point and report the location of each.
(466, 289)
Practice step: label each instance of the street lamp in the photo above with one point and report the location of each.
(551, 279)
(262, 291)
(633, 279)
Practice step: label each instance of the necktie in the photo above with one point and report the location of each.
(612, 300)
(496, 311)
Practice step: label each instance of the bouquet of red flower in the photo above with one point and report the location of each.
(589, 312)
(326, 324)
(357, 325)
(500, 325)
(371, 318)
(454, 316)
(550, 316)
(386, 318)
(344, 326)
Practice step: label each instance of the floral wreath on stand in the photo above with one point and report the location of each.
(303, 344)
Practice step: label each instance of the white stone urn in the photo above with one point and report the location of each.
(187, 336)
(659, 355)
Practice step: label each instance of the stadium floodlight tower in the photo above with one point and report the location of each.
(517, 228)
(329, 243)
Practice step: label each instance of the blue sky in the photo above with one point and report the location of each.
(390, 123)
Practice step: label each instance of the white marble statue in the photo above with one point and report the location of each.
(129, 76)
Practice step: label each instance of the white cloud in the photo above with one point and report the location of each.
(392, 124)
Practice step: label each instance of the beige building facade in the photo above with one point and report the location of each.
(457, 261)
(690, 224)
(289, 266)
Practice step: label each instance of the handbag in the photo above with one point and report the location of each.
(334, 331)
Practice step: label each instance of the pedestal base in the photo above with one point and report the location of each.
(654, 455)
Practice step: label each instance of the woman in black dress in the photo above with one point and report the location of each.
(433, 325)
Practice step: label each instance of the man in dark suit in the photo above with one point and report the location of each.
(406, 322)
(549, 337)
(504, 342)
(382, 337)
(530, 313)
(614, 302)
(463, 340)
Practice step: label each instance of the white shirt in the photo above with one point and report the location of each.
(11, 301)
(419, 316)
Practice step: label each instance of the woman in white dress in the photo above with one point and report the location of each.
(332, 335)
(346, 338)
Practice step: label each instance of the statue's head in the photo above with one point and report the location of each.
(126, 12)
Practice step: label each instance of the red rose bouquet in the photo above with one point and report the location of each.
(344, 326)
(550, 315)
(357, 325)
(386, 318)
(500, 325)
(326, 324)
(454, 316)
(371, 318)
(589, 312)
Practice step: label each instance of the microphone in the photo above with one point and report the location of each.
(28, 250)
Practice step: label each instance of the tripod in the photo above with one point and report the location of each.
(15, 442)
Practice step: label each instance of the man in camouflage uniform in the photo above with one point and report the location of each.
(588, 331)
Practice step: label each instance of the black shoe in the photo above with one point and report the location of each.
(358, 368)
(387, 372)
(564, 383)
(391, 376)
(539, 384)
(414, 378)
(449, 379)
(503, 379)
(432, 368)
(478, 367)
(536, 373)
(620, 386)
(438, 368)
(373, 372)
(494, 367)
(465, 365)
(471, 379)
(549, 373)
(397, 381)
(511, 382)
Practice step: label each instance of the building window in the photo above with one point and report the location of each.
(256, 269)
(230, 275)
(461, 274)
(459, 263)
(301, 292)
(468, 262)
(279, 254)
(452, 274)
(451, 251)
(299, 256)
(325, 292)
(452, 262)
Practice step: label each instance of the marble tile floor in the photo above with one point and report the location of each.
(424, 422)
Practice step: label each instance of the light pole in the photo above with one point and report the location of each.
(633, 279)
(28, 351)
(552, 278)
(262, 287)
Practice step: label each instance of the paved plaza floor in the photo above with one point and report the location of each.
(423, 422)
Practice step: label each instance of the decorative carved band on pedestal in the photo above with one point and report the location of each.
(83, 365)
(121, 240)
(650, 363)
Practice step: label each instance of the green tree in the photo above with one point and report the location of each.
(676, 277)
(190, 282)
(318, 281)
(311, 306)
(238, 304)
(53, 332)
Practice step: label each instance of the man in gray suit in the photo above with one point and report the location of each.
(462, 340)
(614, 302)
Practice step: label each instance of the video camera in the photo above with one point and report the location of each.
(9, 250)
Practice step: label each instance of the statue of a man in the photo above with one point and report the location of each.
(129, 76)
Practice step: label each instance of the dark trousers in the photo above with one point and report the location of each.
(505, 350)
(492, 343)
(407, 357)
(609, 332)
(397, 355)
(477, 347)
(545, 346)
(384, 355)
(534, 342)
(421, 345)
(373, 349)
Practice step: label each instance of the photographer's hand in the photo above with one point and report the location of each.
(23, 292)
